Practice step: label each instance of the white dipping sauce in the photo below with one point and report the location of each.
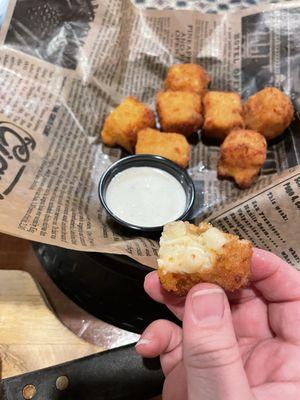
(146, 196)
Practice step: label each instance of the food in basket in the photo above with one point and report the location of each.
(187, 77)
(173, 146)
(179, 111)
(192, 254)
(222, 113)
(242, 155)
(269, 112)
(186, 106)
(124, 122)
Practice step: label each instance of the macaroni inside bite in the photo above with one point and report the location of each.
(183, 249)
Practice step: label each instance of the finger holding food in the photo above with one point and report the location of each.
(269, 111)
(242, 155)
(179, 111)
(173, 146)
(222, 113)
(187, 77)
(123, 123)
(192, 254)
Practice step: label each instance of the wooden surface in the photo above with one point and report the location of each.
(34, 334)
(17, 254)
(31, 337)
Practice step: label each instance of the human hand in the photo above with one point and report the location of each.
(244, 348)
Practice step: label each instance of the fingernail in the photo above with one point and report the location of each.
(143, 341)
(149, 276)
(208, 305)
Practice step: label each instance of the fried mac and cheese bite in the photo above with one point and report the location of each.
(173, 146)
(222, 113)
(269, 112)
(187, 77)
(179, 112)
(123, 123)
(243, 153)
(192, 254)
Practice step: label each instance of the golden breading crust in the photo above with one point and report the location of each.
(269, 112)
(230, 269)
(222, 113)
(123, 123)
(187, 77)
(179, 111)
(173, 146)
(242, 155)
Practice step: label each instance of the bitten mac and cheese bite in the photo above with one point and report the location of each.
(192, 254)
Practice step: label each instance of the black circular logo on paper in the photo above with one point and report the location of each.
(16, 147)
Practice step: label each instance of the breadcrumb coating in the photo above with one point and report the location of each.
(123, 123)
(173, 146)
(268, 112)
(187, 77)
(222, 113)
(192, 254)
(242, 155)
(179, 112)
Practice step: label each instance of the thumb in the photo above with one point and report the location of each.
(210, 351)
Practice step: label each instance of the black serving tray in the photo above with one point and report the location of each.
(107, 286)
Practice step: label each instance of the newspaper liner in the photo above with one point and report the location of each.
(54, 100)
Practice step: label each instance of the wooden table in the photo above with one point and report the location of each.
(31, 336)
(17, 254)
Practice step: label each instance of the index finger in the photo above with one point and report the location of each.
(274, 278)
(154, 289)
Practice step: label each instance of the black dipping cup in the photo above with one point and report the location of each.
(147, 160)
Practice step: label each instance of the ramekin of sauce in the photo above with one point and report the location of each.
(144, 192)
